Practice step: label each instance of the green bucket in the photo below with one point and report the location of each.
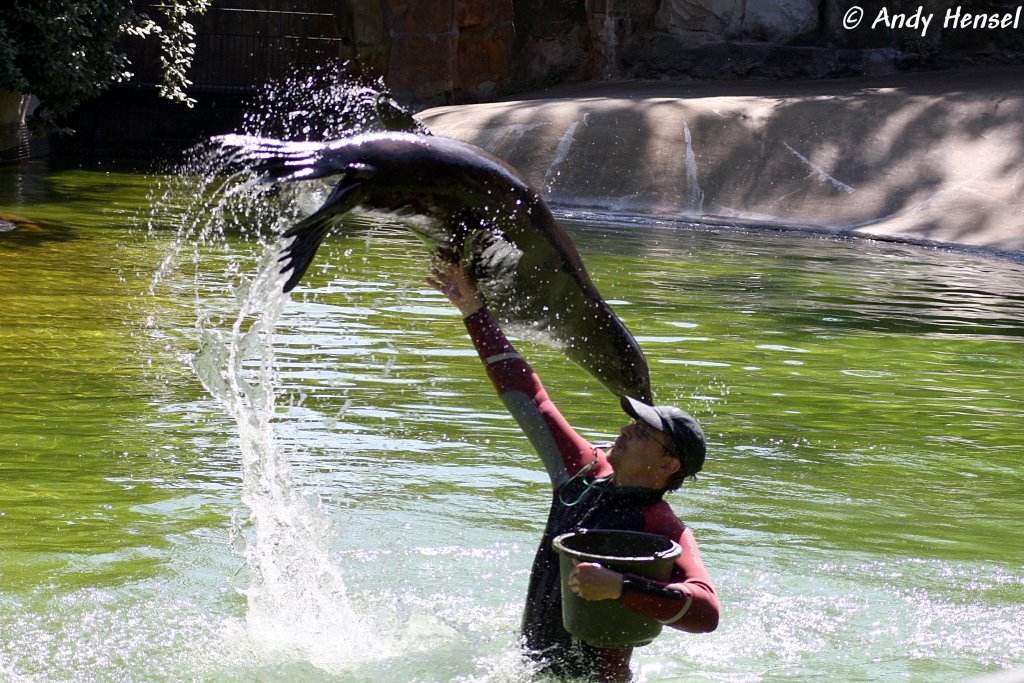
(609, 623)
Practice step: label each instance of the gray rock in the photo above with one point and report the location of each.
(775, 21)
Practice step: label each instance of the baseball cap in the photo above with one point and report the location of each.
(684, 430)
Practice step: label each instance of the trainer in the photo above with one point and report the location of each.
(622, 489)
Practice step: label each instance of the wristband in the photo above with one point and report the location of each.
(637, 584)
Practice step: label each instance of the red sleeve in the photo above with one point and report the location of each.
(562, 450)
(698, 608)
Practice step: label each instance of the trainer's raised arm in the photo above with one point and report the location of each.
(452, 280)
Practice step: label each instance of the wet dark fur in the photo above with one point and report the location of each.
(481, 211)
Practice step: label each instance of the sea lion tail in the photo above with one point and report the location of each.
(275, 160)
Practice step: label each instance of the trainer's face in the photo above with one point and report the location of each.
(639, 456)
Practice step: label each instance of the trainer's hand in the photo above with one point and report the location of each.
(451, 280)
(591, 581)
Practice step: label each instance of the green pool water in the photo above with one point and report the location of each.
(860, 508)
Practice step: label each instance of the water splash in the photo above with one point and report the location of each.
(820, 173)
(562, 153)
(210, 203)
(325, 104)
(694, 200)
(298, 607)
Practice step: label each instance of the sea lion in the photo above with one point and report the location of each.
(468, 204)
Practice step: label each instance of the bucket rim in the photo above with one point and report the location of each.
(673, 551)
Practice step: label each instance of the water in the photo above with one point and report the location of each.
(374, 517)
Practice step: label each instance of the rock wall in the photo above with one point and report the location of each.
(433, 52)
(552, 43)
(894, 157)
(774, 21)
(469, 50)
(449, 51)
(726, 39)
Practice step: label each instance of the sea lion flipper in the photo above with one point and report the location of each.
(297, 256)
(311, 231)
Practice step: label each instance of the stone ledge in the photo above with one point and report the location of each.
(934, 158)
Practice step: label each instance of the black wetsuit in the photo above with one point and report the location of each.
(584, 497)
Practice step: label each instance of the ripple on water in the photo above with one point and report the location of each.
(859, 512)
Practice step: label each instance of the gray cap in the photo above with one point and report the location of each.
(683, 428)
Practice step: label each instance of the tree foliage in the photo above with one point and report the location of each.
(67, 51)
